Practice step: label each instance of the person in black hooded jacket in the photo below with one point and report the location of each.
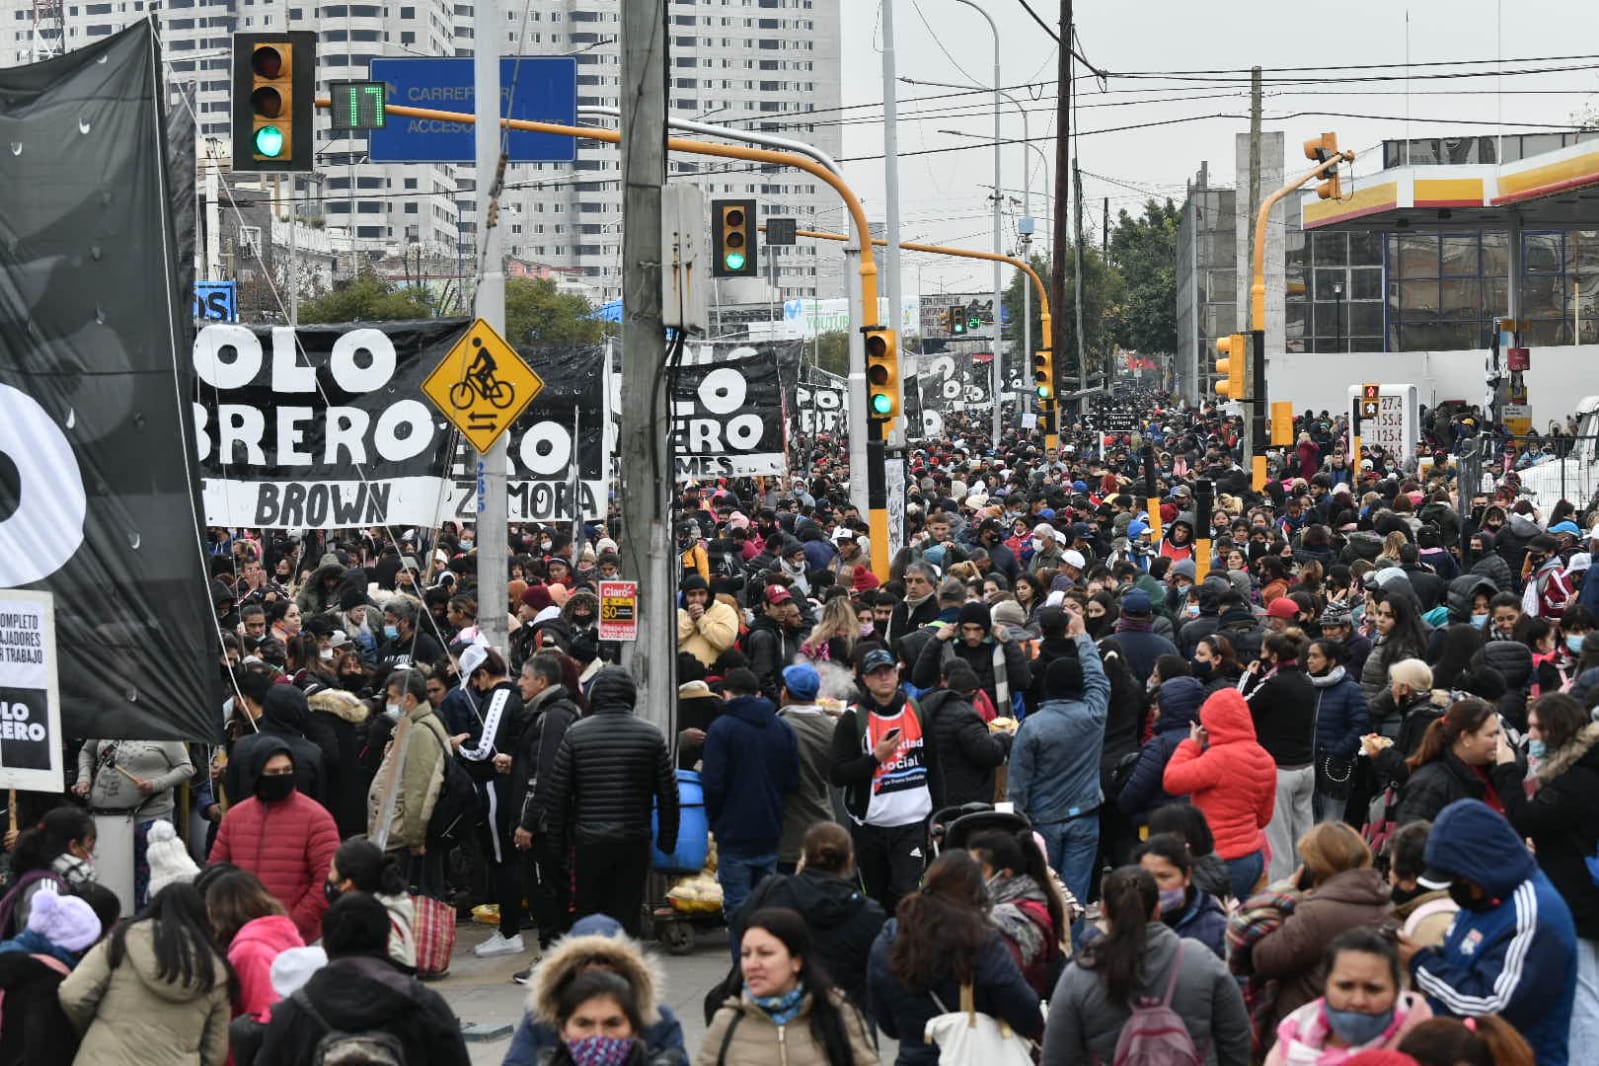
(962, 744)
(279, 711)
(843, 920)
(360, 991)
(610, 768)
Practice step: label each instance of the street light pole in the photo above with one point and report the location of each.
(999, 246)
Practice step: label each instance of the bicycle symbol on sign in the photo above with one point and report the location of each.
(479, 380)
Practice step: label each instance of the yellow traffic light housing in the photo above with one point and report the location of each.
(733, 226)
(1324, 149)
(1044, 376)
(882, 374)
(1230, 351)
(274, 85)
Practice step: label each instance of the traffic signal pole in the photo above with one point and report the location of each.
(866, 272)
(1048, 406)
(1257, 311)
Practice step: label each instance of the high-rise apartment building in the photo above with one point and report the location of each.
(750, 64)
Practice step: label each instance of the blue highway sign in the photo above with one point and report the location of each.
(545, 91)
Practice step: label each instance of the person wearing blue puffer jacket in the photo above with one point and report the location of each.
(750, 765)
(1512, 950)
(1180, 699)
(1341, 717)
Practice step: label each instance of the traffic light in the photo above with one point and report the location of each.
(882, 374)
(1044, 376)
(957, 321)
(733, 225)
(274, 90)
(1230, 366)
(1321, 149)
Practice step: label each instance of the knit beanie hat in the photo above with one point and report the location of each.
(169, 859)
(66, 921)
(1009, 613)
(976, 614)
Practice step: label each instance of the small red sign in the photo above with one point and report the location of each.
(618, 610)
(1520, 358)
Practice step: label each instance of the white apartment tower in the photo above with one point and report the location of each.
(749, 64)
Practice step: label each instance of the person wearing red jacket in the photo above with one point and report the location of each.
(284, 837)
(1233, 782)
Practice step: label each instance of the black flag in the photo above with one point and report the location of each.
(97, 488)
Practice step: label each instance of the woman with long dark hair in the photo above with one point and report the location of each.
(1400, 635)
(1457, 645)
(361, 866)
(157, 992)
(1139, 957)
(1186, 908)
(60, 851)
(1215, 663)
(1452, 762)
(1025, 903)
(940, 939)
(254, 929)
(789, 1011)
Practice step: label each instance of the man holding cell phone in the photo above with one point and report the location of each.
(887, 771)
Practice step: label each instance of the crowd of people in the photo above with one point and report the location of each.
(1126, 754)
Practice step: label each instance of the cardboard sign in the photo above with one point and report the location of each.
(30, 699)
(618, 610)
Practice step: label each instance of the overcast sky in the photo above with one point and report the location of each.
(943, 196)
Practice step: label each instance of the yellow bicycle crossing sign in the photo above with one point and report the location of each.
(481, 385)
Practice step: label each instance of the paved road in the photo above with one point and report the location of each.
(481, 990)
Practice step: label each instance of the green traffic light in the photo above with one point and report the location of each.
(733, 260)
(269, 142)
(882, 403)
(1043, 392)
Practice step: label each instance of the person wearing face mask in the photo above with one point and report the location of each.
(1364, 1008)
(282, 836)
(360, 866)
(419, 780)
(1025, 903)
(1558, 817)
(1185, 908)
(1452, 762)
(1512, 948)
(1423, 908)
(1341, 717)
(491, 763)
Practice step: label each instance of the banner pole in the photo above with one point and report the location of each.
(493, 510)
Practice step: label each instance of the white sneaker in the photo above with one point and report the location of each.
(499, 945)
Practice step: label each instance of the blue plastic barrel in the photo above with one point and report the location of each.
(693, 829)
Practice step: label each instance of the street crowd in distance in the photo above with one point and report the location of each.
(1125, 762)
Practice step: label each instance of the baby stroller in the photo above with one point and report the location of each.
(952, 827)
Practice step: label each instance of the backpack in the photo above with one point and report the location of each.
(455, 811)
(370, 1047)
(1156, 1035)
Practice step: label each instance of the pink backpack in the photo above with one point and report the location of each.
(1155, 1034)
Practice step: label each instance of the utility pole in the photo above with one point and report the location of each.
(890, 191)
(493, 574)
(646, 461)
(1077, 279)
(995, 377)
(1063, 178)
(1250, 398)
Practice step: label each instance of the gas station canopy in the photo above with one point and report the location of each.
(1553, 190)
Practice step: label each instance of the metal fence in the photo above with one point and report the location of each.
(1549, 468)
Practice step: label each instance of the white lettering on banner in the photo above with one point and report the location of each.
(546, 449)
(288, 374)
(46, 529)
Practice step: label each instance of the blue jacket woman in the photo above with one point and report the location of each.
(1341, 712)
(1180, 699)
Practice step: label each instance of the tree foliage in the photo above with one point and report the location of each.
(366, 298)
(1144, 252)
(537, 312)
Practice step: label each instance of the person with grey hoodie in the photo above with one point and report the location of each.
(1141, 957)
